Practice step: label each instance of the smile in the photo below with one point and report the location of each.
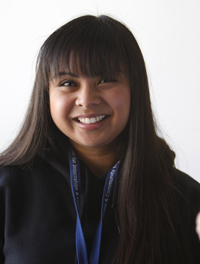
(91, 120)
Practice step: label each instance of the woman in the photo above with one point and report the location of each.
(88, 180)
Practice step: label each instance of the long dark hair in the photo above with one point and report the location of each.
(145, 199)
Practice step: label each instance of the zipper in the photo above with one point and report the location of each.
(76, 260)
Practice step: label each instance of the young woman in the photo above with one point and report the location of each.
(88, 180)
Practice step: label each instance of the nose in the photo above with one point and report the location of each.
(87, 96)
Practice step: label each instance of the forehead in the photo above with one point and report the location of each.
(75, 65)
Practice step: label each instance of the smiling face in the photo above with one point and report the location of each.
(91, 112)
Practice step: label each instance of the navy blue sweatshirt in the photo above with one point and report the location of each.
(38, 217)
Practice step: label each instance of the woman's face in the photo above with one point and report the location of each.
(91, 112)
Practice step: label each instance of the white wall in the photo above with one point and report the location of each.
(168, 33)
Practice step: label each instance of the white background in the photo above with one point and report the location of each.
(168, 32)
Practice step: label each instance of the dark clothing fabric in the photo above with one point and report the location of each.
(38, 217)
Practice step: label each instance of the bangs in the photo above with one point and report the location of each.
(88, 45)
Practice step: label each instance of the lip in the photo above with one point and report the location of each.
(92, 126)
(88, 115)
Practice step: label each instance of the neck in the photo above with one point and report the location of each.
(98, 160)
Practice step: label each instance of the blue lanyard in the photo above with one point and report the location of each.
(81, 249)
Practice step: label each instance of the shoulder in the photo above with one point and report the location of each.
(11, 174)
(189, 189)
(189, 198)
(189, 206)
(185, 178)
(188, 186)
(43, 166)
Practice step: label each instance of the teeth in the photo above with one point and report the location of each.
(91, 120)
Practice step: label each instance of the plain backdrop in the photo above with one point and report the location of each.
(168, 32)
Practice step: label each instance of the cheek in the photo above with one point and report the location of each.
(59, 106)
(121, 103)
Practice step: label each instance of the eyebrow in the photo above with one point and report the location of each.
(65, 73)
(73, 74)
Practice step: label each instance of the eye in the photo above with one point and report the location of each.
(106, 81)
(68, 83)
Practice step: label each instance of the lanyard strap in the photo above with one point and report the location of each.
(75, 178)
